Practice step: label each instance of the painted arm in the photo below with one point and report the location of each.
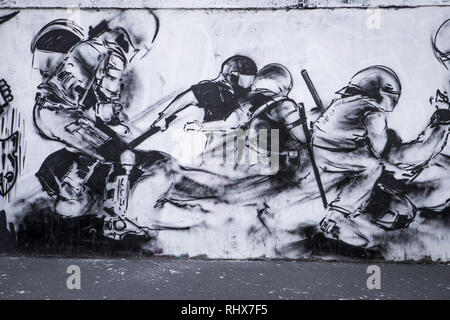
(233, 121)
(376, 125)
(181, 102)
(419, 151)
(411, 157)
(287, 111)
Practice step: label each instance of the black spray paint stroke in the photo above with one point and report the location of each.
(7, 237)
(5, 95)
(12, 157)
(13, 124)
(7, 17)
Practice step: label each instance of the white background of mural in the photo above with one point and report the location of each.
(191, 45)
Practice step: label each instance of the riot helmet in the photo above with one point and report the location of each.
(240, 72)
(376, 82)
(51, 44)
(274, 77)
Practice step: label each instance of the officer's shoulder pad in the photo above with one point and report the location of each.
(371, 103)
(359, 100)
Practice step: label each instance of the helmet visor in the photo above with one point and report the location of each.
(46, 62)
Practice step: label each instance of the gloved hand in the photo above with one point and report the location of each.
(193, 126)
(442, 114)
(163, 121)
(161, 124)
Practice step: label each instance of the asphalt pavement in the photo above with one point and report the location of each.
(52, 278)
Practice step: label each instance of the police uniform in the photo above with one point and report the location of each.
(274, 117)
(216, 99)
(341, 149)
(90, 75)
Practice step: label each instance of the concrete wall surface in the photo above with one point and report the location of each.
(225, 129)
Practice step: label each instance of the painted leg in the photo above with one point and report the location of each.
(117, 226)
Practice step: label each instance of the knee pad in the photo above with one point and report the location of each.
(392, 211)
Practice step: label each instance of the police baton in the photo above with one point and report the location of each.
(301, 109)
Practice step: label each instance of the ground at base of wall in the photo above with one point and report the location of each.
(46, 278)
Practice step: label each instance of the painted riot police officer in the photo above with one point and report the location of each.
(219, 97)
(80, 106)
(349, 141)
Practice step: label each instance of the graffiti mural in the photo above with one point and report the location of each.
(215, 134)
